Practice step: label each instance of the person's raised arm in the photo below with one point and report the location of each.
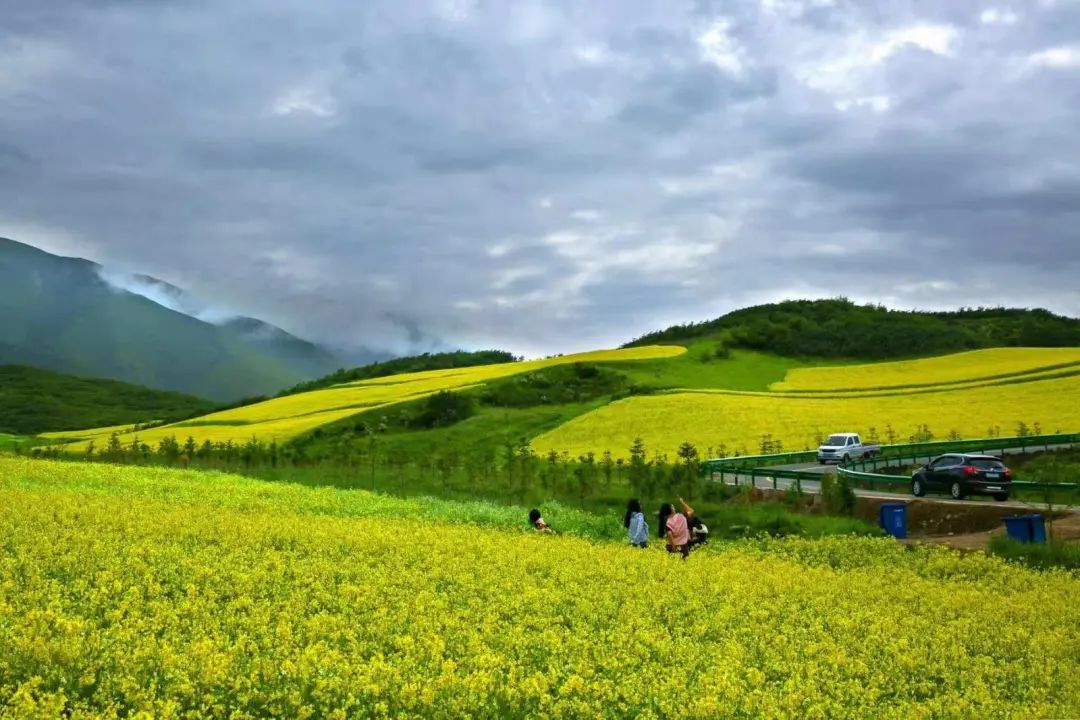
(686, 508)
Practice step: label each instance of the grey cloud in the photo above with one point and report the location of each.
(544, 175)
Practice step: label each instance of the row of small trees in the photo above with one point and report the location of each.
(514, 470)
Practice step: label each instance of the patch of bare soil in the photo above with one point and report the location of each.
(1065, 526)
(927, 518)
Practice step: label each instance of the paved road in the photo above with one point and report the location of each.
(900, 494)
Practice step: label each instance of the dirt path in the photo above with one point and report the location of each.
(1065, 527)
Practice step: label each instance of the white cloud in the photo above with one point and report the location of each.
(586, 215)
(997, 16)
(794, 8)
(849, 66)
(877, 103)
(1057, 57)
(305, 101)
(509, 276)
(455, 11)
(713, 179)
(938, 39)
(593, 54)
(719, 47)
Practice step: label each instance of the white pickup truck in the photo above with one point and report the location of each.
(842, 447)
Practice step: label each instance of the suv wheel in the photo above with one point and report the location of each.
(1002, 497)
(957, 491)
(847, 459)
(917, 488)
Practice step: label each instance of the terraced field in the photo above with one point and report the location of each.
(967, 367)
(737, 421)
(286, 417)
(972, 394)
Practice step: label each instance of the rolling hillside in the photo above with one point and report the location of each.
(33, 401)
(601, 402)
(60, 314)
(288, 416)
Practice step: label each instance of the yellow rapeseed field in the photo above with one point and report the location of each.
(91, 432)
(286, 417)
(133, 592)
(947, 369)
(738, 421)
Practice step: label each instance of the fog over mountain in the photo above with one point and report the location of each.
(74, 316)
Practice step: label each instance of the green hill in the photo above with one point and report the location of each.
(59, 314)
(841, 329)
(34, 401)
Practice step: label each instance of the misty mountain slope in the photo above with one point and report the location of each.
(59, 314)
(305, 357)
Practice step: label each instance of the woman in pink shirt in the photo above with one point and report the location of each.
(675, 528)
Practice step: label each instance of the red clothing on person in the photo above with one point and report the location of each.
(680, 533)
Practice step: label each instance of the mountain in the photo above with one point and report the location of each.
(307, 358)
(839, 328)
(33, 401)
(72, 316)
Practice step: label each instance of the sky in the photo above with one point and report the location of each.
(548, 176)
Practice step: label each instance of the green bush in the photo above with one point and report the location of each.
(443, 409)
(838, 494)
(1043, 556)
(558, 385)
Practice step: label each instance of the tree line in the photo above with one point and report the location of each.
(839, 328)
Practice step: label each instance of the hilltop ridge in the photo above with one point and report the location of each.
(839, 328)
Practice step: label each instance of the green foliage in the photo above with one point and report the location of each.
(1044, 556)
(557, 385)
(512, 474)
(14, 443)
(34, 401)
(841, 329)
(838, 494)
(700, 367)
(410, 364)
(443, 409)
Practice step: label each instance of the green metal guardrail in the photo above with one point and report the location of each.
(873, 479)
(757, 466)
(898, 451)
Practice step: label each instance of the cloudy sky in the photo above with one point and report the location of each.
(548, 176)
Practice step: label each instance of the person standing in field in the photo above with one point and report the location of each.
(675, 528)
(637, 530)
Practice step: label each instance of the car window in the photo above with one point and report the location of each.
(987, 464)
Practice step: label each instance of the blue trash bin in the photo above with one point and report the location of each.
(1018, 527)
(1038, 528)
(893, 519)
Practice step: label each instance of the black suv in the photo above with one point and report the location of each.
(962, 475)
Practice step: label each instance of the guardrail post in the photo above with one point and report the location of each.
(773, 482)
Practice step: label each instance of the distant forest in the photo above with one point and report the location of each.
(842, 329)
(34, 401)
